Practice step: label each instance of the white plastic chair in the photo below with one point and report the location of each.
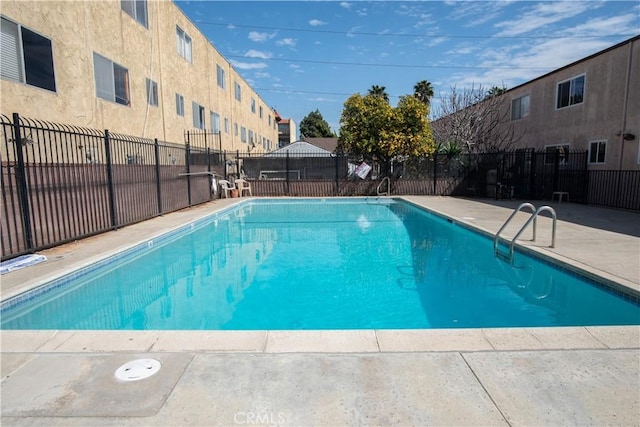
(226, 187)
(243, 186)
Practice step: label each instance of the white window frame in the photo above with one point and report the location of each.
(184, 44)
(15, 57)
(221, 77)
(215, 121)
(137, 9)
(238, 92)
(152, 92)
(109, 89)
(226, 125)
(520, 107)
(198, 115)
(598, 144)
(243, 134)
(572, 87)
(179, 105)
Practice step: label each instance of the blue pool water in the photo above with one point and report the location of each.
(320, 264)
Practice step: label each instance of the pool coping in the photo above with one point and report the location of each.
(326, 341)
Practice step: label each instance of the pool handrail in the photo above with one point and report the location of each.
(515, 211)
(384, 193)
(533, 218)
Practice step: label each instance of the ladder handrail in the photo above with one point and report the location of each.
(532, 218)
(518, 209)
(388, 192)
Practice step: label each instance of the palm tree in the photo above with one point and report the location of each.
(423, 90)
(379, 91)
(495, 91)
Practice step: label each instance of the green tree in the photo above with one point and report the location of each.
(495, 91)
(315, 126)
(380, 91)
(423, 90)
(370, 127)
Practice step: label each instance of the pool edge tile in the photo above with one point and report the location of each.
(322, 341)
(410, 340)
(210, 341)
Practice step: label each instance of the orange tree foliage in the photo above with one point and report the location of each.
(370, 127)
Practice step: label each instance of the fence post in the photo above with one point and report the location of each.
(337, 175)
(110, 184)
(22, 182)
(187, 159)
(224, 165)
(435, 172)
(212, 177)
(287, 171)
(158, 188)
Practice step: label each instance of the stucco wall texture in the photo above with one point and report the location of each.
(77, 30)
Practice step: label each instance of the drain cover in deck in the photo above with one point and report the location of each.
(138, 369)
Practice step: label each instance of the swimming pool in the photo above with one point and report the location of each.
(318, 264)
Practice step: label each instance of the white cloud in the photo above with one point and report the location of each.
(248, 65)
(288, 41)
(602, 25)
(231, 27)
(543, 14)
(316, 23)
(258, 37)
(321, 99)
(262, 75)
(345, 4)
(294, 66)
(252, 53)
(353, 30)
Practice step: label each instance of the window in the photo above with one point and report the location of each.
(215, 122)
(27, 57)
(220, 76)
(597, 151)
(198, 116)
(570, 92)
(559, 152)
(137, 9)
(238, 92)
(184, 44)
(235, 129)
(226, 125)
(520, 107)
(243, 134)
(179, 105)
(112, 80)
(251, 137)
(269, 119)
(261, 111)
(152, 92)
(253, 105)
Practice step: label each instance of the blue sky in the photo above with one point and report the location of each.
(303, 56)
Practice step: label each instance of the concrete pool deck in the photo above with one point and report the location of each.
(518, 376)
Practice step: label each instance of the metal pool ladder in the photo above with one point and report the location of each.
(384, 193)
(534, 214)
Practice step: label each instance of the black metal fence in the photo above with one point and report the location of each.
(61, 183)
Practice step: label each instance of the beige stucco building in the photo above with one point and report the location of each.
(134, 67)
(592, 104)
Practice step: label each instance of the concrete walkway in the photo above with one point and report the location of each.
(518, 376)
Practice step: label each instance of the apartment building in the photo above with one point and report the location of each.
(592, 104)
(135, 67)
